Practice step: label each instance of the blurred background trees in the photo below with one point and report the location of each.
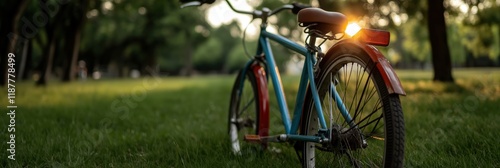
(115, 38)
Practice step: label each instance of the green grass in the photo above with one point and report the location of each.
(181, 122)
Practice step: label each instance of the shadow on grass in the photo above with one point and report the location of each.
(427, 86)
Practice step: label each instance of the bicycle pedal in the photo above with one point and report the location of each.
(252, 138)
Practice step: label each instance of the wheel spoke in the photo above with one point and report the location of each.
(375, 120)
(363, 93)
(367, 118)
(370, 95)
(354, 162)
(376, 107)
(358, 83)
(246, 106)
(357, 111)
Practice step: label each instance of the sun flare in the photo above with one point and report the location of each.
(352, 29)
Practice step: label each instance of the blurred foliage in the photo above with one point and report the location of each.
(208, 55)
(482, 40)
(135, 31)
(119, 36)
(471, 36)
(472, 28)
(415, 41)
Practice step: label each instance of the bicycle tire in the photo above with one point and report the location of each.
(252, 119)
(345, 148)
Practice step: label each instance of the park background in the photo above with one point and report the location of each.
(151, 66)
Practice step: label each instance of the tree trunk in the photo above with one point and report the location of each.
(10, 35)
(441, 59)
(28, 61)
(76, 27)
(150, 56)
(22, 62)
(498, 56)
(68, 48)
(47, 59)
(70, 69)
(91, 65)
(52, 28)
(151, 67)
(187, 69)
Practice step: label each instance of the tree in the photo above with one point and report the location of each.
(480, 27)
(436, 25)
(47, 56)
(53, 31)
(141, 35)
(75, 22)
(12, 11)
(416, 42)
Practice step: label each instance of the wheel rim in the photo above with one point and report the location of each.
(359, 92)
(244, 115)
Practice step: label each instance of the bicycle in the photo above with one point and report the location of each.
(347, 107)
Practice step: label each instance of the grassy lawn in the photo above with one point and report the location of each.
(181, 122)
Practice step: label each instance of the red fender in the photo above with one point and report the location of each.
(391, 80)
(261, 81)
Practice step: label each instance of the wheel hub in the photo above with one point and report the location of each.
(244, 123)
(343, 139)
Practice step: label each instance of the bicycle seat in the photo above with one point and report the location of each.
(324, 21)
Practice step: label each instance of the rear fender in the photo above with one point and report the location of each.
(391, 80)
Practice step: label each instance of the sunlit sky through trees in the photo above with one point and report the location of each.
(220, 13)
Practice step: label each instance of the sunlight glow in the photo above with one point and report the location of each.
(396, 19)
(464, 8)
(473, 10)
(382, 22)
(107, 5)
(220, 13)
(92, 13)
(142, 10)
(352, 29)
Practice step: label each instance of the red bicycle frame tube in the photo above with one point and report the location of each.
(391, 80)
(261, 81)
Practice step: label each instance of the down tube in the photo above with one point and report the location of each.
(278, 87)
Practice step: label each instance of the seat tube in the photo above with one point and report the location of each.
(314, 90)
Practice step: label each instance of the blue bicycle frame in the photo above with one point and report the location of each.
(307, 77)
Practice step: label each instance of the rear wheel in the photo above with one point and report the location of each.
(244, 111)
(375, 135)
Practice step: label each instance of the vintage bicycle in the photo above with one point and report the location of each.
(347, 111)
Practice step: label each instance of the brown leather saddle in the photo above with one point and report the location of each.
(322, 21)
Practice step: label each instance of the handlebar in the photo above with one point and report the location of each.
(298, 6)
(187, 3)
(264, 13)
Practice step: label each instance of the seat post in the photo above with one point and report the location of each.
(311, 45)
